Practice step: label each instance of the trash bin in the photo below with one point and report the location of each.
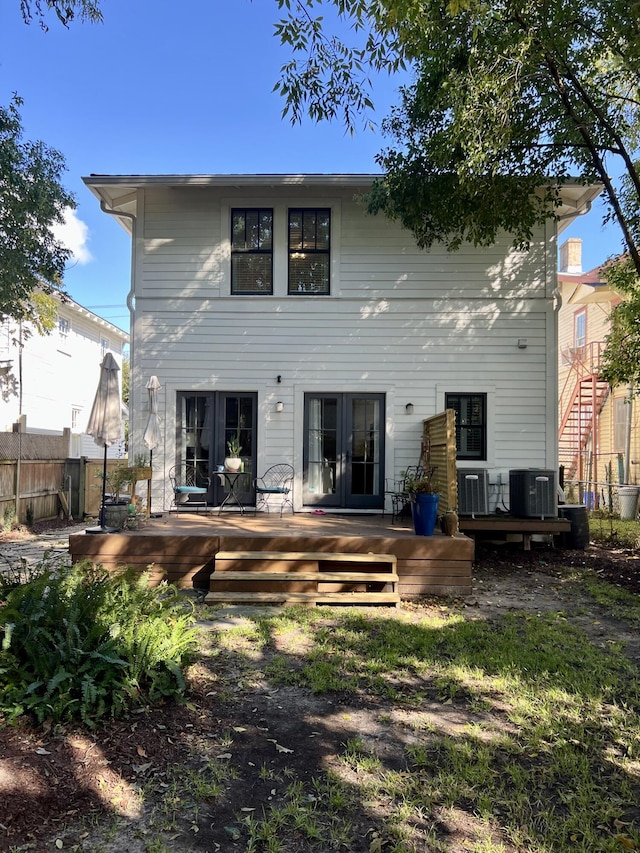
(578, 536)
(628, 496)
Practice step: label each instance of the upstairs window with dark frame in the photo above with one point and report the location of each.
(251, 251)
(309, 250)
(471, 424)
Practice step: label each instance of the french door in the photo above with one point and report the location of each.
(344, 450)
(205, 423)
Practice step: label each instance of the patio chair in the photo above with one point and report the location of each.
(277, 480)
(190, 489)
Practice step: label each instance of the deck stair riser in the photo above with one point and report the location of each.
(304, 577)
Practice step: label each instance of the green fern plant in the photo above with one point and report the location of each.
(82, 643)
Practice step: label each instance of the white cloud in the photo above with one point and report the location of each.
(73, 233)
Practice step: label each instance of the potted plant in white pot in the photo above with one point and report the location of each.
(233, 462)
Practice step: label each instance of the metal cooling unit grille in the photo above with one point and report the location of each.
(473, 492)
(532, 493)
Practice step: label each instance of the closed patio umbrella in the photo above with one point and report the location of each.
(105, 421)
(152, 435)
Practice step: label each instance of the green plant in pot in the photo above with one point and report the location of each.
(424, 502)
(116, 480)
(116, 505)
(233, 462)
(421, 484)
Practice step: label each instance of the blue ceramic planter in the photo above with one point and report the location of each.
(425, 511)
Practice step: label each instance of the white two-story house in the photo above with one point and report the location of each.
(275, 309)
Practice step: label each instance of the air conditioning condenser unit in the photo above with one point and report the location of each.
(533, 493)
(473, 491)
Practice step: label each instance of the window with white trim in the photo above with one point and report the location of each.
(580, 329)
(621, 414)
(471, 424)
(309, 237)
(251, 251)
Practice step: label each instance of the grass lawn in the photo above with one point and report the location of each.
(508, 722)
(518, 733)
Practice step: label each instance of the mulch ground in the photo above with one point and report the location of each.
(50, 779)
(619, 566)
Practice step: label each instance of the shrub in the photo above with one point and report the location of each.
(81, 642)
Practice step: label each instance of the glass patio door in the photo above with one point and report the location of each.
(205, 422)
(344, 450)
(236, 419)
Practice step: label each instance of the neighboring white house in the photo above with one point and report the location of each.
(275, 306)
(51, 380)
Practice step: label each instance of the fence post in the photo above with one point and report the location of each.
(20, 426)
(82, 488)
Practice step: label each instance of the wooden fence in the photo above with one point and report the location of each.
(39, 482)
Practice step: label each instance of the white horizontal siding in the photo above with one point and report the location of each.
(378, 255)
(399, 321)
(183, 230)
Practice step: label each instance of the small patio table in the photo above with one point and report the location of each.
(231, 479)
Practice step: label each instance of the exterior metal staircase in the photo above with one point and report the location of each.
(581, 401)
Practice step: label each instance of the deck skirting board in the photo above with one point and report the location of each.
(425, 565)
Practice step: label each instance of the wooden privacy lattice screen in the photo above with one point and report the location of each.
(439, 451)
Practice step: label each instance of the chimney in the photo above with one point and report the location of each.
(571, 256)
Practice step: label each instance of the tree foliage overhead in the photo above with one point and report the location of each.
(508, 101)
(32, 200)
(64, 10)
(506, 97)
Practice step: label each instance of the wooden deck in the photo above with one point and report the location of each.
(510, 525)
(183, 548)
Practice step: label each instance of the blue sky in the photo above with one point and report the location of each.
(164, 88)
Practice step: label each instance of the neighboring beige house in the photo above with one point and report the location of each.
(599, 429)
(274, 308)
(51, 380)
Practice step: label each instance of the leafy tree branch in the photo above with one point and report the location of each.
(32, 198)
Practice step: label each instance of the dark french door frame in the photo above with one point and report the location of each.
(215, 418)
(345, 468)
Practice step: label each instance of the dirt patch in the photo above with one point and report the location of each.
(22, 533)
(99, 791)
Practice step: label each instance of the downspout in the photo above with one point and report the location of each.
(132, 217)
(583, 212)
(627, 442)
(131, 293)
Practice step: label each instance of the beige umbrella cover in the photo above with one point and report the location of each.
(105, 420)
(152, 435)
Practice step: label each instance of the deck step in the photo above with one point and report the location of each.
(319, 577)
(292, 577)
(310, 598)
(318, 556)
